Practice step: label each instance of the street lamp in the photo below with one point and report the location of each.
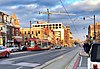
(94, 27)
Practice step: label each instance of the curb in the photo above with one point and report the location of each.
(76, 63)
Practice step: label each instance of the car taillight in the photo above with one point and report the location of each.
(95, 66)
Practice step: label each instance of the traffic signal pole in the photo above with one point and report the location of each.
(94, 29)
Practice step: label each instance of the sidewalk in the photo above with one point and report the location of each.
(65, 61)
(83, 60)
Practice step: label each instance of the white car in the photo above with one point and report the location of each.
(94, 59)
(13, 48)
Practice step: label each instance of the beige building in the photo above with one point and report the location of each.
(56, 33)
(91, 30)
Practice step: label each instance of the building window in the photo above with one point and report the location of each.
(56, 24)
(28, 32)
(56, 27)
(59, 24)
(53, 25)
(35, 25)
(38, 32)
(32, 32)
(17, 32)
(41, 25)
(38, 25)
(0, 18)
(47, 26)
(50, 27)
(25, 32)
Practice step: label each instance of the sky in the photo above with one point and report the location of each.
(27, 10)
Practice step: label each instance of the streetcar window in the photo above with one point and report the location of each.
(31, 43)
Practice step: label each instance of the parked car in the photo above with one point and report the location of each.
(58, 47)
(4, 52)
(13, 48)
(94, 59)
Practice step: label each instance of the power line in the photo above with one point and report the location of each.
(69, 16)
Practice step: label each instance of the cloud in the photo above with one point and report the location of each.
(29, 10)
(47, 3)
(15, 2)
(85, 6)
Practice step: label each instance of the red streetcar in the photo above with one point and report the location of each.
(37, 44)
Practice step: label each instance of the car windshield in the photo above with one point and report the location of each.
(31, 43)
(10, 46)
(2, 47)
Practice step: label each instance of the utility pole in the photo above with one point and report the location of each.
(94, 26)
(94, 29)
(48, 15)
(30, 28)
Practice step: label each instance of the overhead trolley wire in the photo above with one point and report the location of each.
(69, 17)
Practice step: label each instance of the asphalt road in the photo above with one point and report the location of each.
(31, 59)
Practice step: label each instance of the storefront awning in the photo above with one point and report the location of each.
(17, 40)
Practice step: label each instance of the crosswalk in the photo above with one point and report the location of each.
(27, 64)
(21, 64)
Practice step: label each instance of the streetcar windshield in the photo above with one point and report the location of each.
(31, 44)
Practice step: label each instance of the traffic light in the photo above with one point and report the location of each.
(86, 36)
(83, 18)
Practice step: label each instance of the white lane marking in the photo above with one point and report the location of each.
(19, 67)
(80, 63)
(20, 52)
(30, 55)
(6, 62)
(27, 64)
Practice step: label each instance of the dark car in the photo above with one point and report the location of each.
(23, 48)
(4, 52)
(58, 47)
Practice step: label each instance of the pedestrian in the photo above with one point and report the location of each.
(86, 47)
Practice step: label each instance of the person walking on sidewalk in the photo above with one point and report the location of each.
(87, 45)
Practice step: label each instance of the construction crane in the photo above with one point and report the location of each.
(48, 12)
